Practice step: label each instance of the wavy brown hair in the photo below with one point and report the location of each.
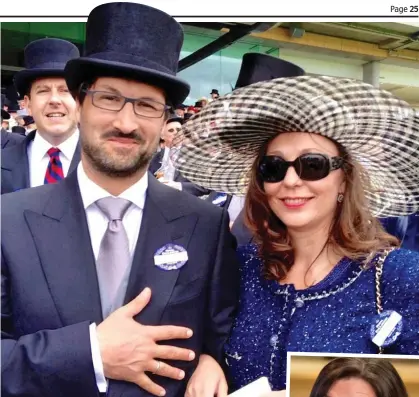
(354, 233)
(380, 374)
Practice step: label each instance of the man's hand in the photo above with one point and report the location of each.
(129, 349)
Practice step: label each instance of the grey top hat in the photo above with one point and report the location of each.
(44, 58)
(133, 41)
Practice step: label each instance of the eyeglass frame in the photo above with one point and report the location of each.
(126, 100)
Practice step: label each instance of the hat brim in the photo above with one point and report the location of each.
(82, 69)
(175, 120)
(24, 78)
(377, 129)
(5, 115)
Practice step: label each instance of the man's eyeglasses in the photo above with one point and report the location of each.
(114, 102)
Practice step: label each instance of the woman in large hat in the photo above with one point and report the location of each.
(320, 159)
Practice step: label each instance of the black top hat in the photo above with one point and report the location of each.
(214, 91)
(28, 120)
(174, 118)
(18, 129)
(5, 115)
(134, 41)
(4, 101)
(44, 58)
(14, 107)
(257, 67)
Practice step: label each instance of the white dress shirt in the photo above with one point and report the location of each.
(38, 157)
(98, 223)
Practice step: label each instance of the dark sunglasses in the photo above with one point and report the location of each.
(309, 167)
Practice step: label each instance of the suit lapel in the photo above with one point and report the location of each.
(164, 221)
(62, 239)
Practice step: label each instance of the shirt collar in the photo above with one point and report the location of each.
(40, 146)
(91, 192)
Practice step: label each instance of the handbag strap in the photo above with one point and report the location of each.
(378, 273)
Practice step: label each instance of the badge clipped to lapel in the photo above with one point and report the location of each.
(170, 257)
(386, 328)
(220, 199)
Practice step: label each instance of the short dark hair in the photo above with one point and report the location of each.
(379, 373)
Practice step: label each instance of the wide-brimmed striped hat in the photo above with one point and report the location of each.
(380, 131)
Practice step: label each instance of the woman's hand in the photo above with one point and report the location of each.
(208, 380)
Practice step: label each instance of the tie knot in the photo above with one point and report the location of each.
(113, 207)
(53, 152)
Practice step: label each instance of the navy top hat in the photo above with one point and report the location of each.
(257, 67)
(134, 41)
(44, 58)
(214, 91)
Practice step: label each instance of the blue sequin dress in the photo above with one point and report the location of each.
(333, 316)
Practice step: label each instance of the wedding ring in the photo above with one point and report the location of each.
(158, 367)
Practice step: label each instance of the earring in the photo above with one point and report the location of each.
(340, 197)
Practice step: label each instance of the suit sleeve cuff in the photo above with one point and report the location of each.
(101, 382)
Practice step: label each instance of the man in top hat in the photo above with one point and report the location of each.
(52, 151)
(214, 95)
(113, 282)
(7, 139)
(161, 165)
(180, 110)
(161, 158)
(255, 68)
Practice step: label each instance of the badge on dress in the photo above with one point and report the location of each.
(386, 328)
(220, 199)
(170, 257)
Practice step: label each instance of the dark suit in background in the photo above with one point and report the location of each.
(9, 139)
(187, 186)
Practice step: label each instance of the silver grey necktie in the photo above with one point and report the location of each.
(114, 258)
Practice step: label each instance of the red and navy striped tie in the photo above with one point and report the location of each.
(55, 168)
